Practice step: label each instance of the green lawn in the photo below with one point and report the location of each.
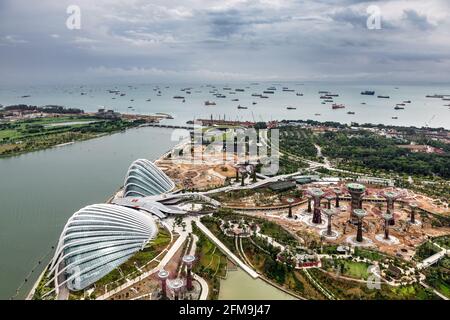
(355, 269)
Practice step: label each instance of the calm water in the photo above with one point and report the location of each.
(240, 286)
(39, 191)
(422, 111)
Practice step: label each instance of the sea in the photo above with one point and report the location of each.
(153, 98)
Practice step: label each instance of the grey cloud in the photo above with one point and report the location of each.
(419, 21)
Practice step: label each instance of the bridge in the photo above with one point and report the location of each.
(168, 126)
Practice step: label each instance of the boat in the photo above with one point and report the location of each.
(253, 102)
(383, 97)
(323, 92)
(400, 104)
(394, 118)
(407, 101)
(256, 95)
(131, 99)
(241, 107)
(368, 93)
(148, 99)
(328, 100)
(363, 103)
(439, 96)
(26, 96)
(178, 97)
(337, 106)
(299, 94)
(123, 94)
(184, 100)
(291, 108)
(264, 97)
(351, 112)
(332, 95)
(210, 103)
(268, 92)
(227, 88)
(317, 114)
(239, 90)
(288, 90)
(399, 108)
(234, 99)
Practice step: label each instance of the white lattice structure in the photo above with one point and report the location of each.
(96, 240)
(145, 179)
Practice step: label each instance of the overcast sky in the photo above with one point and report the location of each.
(226, 40)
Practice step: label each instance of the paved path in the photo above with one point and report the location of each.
(227, 251)
(434, 290)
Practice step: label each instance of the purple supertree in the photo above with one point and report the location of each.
(359, 214)
(163, 275)
(317, 195)
(188, 260)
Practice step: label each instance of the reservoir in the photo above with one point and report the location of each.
(240, 286)
(39, 191)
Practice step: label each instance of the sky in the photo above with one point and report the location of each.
(225, 41)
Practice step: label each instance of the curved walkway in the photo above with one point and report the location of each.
(227, 251)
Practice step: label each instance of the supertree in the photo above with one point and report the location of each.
(359, 214)
(386, 217)
(309, 203)
(188, 260)
(317, 195)
(391, 197)
(413, 207)
(357, 192)
(329, 212)
(337, 192)
(176, 285)
(163, 275)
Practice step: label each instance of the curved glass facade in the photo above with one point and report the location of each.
(146, 179)
(96, 240)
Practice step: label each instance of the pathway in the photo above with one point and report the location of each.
(227, 251)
